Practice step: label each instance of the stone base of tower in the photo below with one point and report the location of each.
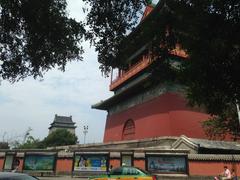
(166, 115)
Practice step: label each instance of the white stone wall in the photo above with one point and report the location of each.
(71, 130)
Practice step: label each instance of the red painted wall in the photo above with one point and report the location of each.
(20, 167)
(166, 115)
(114, 162)
(64, 165)
(211, 168)
(140, 163)
(1, 163)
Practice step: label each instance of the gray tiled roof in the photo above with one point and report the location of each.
(62, 122)
(203, 143)
(214, 157)
(63, 119)
(204, 146)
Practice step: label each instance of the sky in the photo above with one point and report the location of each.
(33, 103)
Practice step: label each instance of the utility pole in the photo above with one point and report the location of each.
(85, 131)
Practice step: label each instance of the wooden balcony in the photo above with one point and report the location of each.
(142, 64)
(178, 51)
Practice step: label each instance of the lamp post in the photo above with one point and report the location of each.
(85, 131)
(238, 111)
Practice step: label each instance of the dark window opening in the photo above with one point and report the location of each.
(128, 130)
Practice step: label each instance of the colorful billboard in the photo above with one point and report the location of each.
(8, 162)
(167, 164)
(39, 162)
(90, 162)
(126, 160)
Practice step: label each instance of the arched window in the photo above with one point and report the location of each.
(128, 130)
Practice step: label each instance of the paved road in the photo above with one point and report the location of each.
(159, 178)
(62, 178)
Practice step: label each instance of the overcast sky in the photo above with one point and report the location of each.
(33, 103)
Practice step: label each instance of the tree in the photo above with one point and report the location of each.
(218, 127)
(30, 143)
(56, 138)
(109, 21)
(211, 75)
(4, 145)
(36, 36)
(27, 141)
(208, 30)
(60, 137)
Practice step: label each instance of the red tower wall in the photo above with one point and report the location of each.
(1, 163)
(166, 115)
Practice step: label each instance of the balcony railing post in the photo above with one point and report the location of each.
(124, 75)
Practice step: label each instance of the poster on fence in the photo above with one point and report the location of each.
(127, 160)
(90, 162)
(8, 162)
(167, 164)
(39, 162)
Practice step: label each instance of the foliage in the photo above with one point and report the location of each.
(36, 36)
(60, 137)
(4, 145)
(213, 45)
(31, 143)
(218, 127)
(109, 21)
(211, 74)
